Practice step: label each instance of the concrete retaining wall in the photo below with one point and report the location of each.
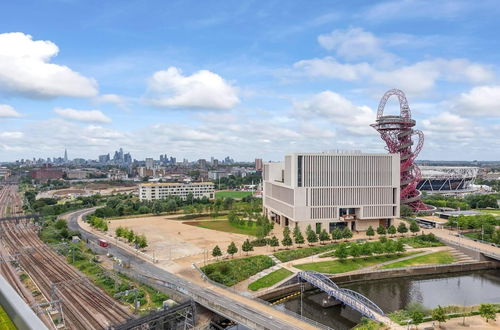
(384, 274)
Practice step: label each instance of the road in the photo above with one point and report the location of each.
(251, 313)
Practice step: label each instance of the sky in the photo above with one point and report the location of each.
(249, 79)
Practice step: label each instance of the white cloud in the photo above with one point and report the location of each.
(328, 67)
(202, 89)
(6, 111)
(89, 116)
(353, 43)
(25, 69)
(479, 101)
(404, 9)
(117, 100)
(11, 135)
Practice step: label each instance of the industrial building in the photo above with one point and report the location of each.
(154, 191)
(332, 190)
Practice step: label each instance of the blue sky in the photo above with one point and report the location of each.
(248, 79)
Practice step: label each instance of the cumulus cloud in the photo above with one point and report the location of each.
(6, 111)
(479, 101)
(202, 89)
(117, 100)
(89, 116)
(26, 69)
(11, 135)
(328, 67)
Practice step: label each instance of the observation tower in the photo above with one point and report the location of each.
(400, 137)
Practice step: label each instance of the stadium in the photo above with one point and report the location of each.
(447, 180)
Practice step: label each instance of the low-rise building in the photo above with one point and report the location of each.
(332, 190)
(154, 191)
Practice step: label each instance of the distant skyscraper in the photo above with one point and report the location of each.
(149, 163)
(258, 164)
(65, 155)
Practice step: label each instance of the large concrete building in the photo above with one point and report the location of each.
(154, 191)
(332, 190)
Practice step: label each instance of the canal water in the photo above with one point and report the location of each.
(397, 293)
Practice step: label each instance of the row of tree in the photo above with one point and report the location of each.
(232, 249)
(384, 246)
(139, 240)
(98, 223)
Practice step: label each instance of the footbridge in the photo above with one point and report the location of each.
(351, 298)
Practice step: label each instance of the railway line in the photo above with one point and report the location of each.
(84, 305)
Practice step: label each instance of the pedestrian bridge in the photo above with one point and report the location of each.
(351, 298)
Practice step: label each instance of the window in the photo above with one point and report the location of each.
(299, 171)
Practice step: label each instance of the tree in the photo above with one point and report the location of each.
(414, 228)
(405, 211)
(381, 230)
(346, 233)
(287, 240)
(246, 247)
(366, 249)
(370, 232)
(439, 315)
(355, 250)
(336, 234)
(274, 242)
(216, 252)
(400, 247)
(323, 236)
(391, 230)
(488, 311)
(299, 238)
(389, 246)
(402, 228)
(296, 231)
(341, 251)
(119, 231)
(417, 318)
(312, 237)
(232, 249)
(377, 248)
(130, 236)
(141, 241)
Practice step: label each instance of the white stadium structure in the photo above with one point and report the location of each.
(448, 180)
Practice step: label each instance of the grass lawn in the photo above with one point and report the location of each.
(338, 266)
(489, 211)
(230, 272)
(298, 253)
(232, 194)
(5, 321)
(226, 226)
(270, 279)
(437, 258)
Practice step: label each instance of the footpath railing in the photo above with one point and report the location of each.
(470, 247)
(261, 301)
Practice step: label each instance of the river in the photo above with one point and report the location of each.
(396, 293)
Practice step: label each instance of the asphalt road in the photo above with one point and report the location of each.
(203, 296)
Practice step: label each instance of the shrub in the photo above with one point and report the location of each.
(230, 272)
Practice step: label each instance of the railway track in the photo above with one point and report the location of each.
(84, 305)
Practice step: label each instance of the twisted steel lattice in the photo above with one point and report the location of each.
(398, 133)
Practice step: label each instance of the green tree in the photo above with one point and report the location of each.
(377, 248)
(366, 249)
(323, 236)
(274, 242)
(216, 252)
(287, 240)
(312, 237)
(389, 246)
(341, 251)
(346, 233)
(355, 250)
(487, 311)
(336, 234)
(232, 249)
(296, 231)
(402, 228)
(130, 236)
(299, 238)
(119, 231)
(406, 211)
(414, 228)
(391, 230)
(439, 315)
(381, 230)
(370, 232)
(400, 248)
(247, 247)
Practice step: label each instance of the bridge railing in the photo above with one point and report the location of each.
(470, 247)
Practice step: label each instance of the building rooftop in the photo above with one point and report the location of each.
(175, 183)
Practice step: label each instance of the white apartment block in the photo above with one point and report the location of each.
(153, 191)
(332, 190)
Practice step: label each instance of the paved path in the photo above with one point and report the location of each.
(448, 235)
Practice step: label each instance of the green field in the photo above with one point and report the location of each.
(437, 258)
(232, 194)
(489, 211)
(230, 272)
(5, 321)
(342, 266)
(226, 226)
(270, 279)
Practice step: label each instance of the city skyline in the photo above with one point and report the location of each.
(245, 79)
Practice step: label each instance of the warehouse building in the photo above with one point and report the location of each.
(332, 190)
(154, 191)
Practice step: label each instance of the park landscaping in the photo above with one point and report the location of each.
(232, 194)
(436, 258)
(421, 241)
(226, 226)
(347, 265)
(270, 279)
(299, 253)
(230, 272)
